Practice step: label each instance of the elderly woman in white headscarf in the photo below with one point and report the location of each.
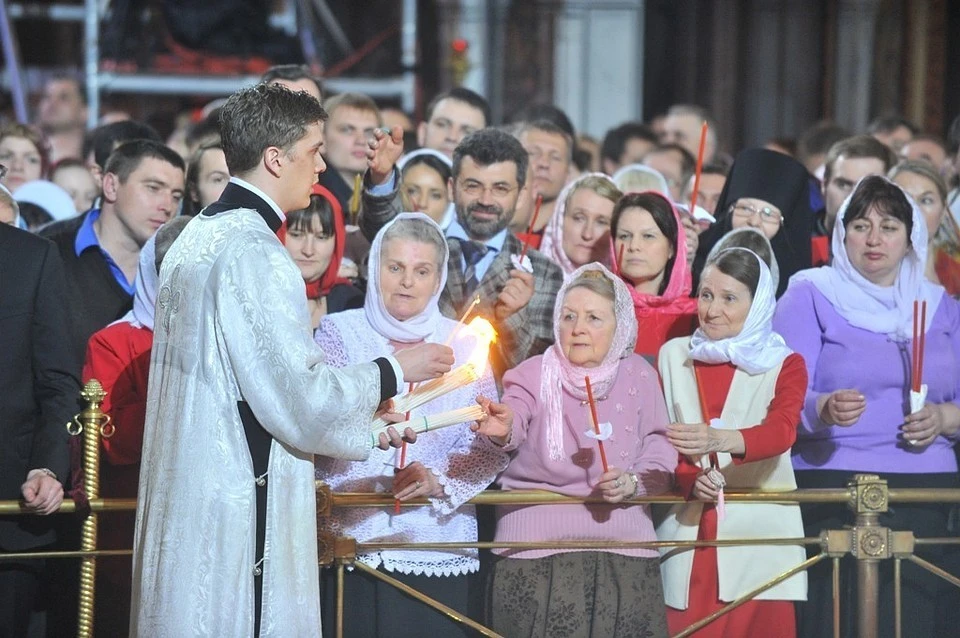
(545, 421)
(407, 271)
(579, 230)
(754, 240)
(853, 322)
(734, 391)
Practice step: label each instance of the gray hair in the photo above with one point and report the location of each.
(166, 235)
(417, 230)
(596, 282)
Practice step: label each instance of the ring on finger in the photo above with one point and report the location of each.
(419, 485)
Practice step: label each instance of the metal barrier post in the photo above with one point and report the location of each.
(871, 544)
(91, 423)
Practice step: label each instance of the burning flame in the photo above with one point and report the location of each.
(484, 333)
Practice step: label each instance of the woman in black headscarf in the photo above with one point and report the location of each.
(768, 191)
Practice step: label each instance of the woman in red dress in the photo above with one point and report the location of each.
(646, 231)
(734, 391)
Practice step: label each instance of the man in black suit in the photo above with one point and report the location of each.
(39, 381)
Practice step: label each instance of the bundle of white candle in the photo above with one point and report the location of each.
(480, 330)
(424, 393)
(423, 424)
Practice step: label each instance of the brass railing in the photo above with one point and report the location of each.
(866, 540)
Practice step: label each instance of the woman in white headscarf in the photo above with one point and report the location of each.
(407, 271)
(734, 391)
(546, 423)
(853, 323)
(578, 233)
(753, 240)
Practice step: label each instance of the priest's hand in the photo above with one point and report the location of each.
(383, 151)
(704, 489)
(496, 423)
(843, 407)
(424, 362)
(516, 294)
(415, 481)
(42, 493)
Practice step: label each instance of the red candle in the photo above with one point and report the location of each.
(696, 179)
(403, 459)
(533, 221)
(596, 424)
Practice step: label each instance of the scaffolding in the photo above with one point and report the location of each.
(98, 81)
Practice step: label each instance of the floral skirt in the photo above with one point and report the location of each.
(577, 595)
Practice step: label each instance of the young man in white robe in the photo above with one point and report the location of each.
(240, 399)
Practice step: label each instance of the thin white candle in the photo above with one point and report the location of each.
(433, 422)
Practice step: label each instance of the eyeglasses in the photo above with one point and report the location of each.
(476, 189)
(767, 214)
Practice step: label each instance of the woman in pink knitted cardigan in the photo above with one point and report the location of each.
(544, 422)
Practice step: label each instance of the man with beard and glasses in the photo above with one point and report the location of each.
(489, 177)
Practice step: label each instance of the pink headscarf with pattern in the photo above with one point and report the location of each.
(559, 375)
(552, 243)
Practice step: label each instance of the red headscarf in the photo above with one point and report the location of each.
(329, 279)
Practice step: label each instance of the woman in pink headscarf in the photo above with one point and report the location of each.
(544, 420)
(579, 231)
(646, 231)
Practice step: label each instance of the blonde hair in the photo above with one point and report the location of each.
(923, 169)
(602, 186)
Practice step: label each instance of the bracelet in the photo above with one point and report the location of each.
(636, 484)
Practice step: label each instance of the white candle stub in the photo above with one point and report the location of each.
(606, 429)
(917, 401)
(526, 265)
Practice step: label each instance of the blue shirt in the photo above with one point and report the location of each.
(495, 244)
(87, 239)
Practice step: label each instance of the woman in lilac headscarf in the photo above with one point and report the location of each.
(545, 422)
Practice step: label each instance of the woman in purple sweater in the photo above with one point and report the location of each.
(853, 324)
(545, 422)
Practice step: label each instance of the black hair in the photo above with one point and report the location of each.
(741, 265)
(320, 209)
(291, 73)
(461, 94)
(663, 215)
(550, 113)
(127, 157)
(615, 141)
(430, 161)
(262, 116)
(104, 139)
(875, 191)
(492, 146)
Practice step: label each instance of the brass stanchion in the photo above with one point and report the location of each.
(871, 544)
(91, 423)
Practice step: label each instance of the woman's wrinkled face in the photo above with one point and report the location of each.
(924, 192)
(646, 250)
(311, 248)
(409, 276)
(426, 191)
(587, 326)
(722, 305)
(22, 160)
(586, 226)
(876, 245)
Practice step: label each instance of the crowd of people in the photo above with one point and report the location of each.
(259, 288)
